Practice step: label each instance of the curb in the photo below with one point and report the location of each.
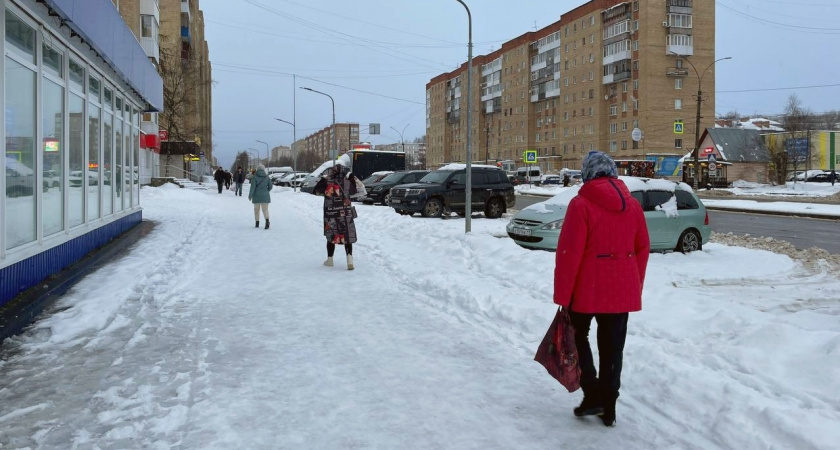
(20, 312)
(774, 213)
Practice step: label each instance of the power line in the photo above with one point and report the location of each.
(345, 36)
(779, 89)
(786, 26)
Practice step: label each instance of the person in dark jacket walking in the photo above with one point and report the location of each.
(219, 176)
(339, 227)
(259, 194)
(832, 176)
(604, 237)
(228, 179)
(239, 179)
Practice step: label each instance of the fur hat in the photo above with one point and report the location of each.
(261, 167)
(597, 164)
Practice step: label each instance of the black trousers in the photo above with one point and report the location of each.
(348, 248)
(612, 333)
(219, 184)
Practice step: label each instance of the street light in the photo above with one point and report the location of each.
(697, 171)
(334, 137)
(402, 141)
(468, 211)
(267, 157)
(257, 152)
(294, 152)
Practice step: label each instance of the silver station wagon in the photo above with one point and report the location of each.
(676, 218)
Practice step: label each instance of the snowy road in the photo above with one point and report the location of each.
(213, 334)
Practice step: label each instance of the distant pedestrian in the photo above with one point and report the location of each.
(219, 176)
(604, 236)
(228, 178)
(239, 179)
(339, 227)
(566, 180)
(259, 194)
(833, 176)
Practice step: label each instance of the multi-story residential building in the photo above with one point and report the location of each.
(186, 71)
(143, 19)
(583, 83)
(320, 142)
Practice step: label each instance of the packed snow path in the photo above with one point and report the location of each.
(211, 333)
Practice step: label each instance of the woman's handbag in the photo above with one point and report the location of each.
(558, 353)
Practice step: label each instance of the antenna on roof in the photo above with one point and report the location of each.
(535, 25)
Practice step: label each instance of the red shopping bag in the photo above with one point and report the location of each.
(558, 353)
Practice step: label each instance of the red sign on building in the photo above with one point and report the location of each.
(163, 134)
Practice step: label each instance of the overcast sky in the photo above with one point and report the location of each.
(375, 57)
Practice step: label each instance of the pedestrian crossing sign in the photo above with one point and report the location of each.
(678, 127)
(530, 157)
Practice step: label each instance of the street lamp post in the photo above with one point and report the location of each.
(334, 137)
(294, 152)
(697, 171)
(468, 211)
(267, 156)
(402, 140)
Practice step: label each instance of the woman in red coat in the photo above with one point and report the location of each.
(601, 258)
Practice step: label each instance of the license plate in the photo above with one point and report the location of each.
(395, 200)
(521, 231)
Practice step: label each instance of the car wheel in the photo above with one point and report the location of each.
(432, 208)
(494, 209)
(689, 242)
(386, 199)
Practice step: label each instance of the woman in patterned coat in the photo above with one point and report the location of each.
(339, 227)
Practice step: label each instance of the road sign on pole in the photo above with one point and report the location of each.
(678, 127)
(529, 157)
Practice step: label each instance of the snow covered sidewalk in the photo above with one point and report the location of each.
(213, 334)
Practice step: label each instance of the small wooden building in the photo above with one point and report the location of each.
(737, 154)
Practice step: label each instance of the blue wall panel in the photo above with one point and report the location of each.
(101, 25)
(25, 274)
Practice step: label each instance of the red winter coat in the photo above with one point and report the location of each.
(602, 251)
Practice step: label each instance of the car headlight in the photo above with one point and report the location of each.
(376, 189)
(415, 191)
(556, 225)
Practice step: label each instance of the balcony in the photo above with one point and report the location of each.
(618, 56)
(675, 72)
(185, 8)
(185, 34)
(682, 50)
(608, 79)
(151, 47)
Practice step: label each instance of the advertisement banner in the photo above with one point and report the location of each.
(666, 165)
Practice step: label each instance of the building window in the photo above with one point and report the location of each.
(677, 143)
(678, 104)
(613, 146)
(635, 145)
(635, 46)
(623, 106)
(148, 27)
(613, 128)
(635, 85)
(613, 110)
(624, 87)
(624, 145)
(678, 83)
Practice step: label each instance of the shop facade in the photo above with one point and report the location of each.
(76, 82)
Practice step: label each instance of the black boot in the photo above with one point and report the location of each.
(591, 404)
(257, 225)
(609, 409)
(266, 224)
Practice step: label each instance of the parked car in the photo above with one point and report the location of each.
(288, 179)
(76, 177)
(20, 179)
(380, 191)
(51, 179)
(676, 218)
(550, 179)
(446, 188)
(376, 176)
(820, 178)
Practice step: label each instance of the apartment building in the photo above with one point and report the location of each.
(186, 71)
(320, 142)
(583, 83)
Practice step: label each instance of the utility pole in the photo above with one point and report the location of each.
(697, 170)
(468, 207)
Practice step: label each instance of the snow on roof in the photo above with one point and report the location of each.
(634, 184)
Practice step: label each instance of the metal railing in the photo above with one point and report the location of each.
(192, 176)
